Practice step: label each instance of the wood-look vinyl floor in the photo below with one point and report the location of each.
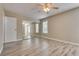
(39, 47)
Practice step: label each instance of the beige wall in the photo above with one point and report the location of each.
(1, 28)
(19, 23)
(64, 26)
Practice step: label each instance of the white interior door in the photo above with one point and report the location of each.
(10, 29)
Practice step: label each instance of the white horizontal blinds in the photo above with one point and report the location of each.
(37, 28)
(45, 26)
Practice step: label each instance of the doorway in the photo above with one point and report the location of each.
(27, 30)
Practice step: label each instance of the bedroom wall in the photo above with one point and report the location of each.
(64, 26)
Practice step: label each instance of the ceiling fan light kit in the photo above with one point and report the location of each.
(46, 7)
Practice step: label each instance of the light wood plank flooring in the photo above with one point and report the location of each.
(39, 47)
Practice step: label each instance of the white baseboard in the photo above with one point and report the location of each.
(64, 41)
(1, 49)
(14, 41)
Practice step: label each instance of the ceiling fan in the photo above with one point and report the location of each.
(46, 7)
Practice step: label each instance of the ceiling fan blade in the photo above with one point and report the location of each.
(55, 8)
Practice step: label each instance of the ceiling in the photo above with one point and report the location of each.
(31, 9)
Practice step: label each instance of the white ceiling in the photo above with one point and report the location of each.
(31, 9)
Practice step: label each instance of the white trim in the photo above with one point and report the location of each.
(14, 41)
(1, 49)
(64, 41)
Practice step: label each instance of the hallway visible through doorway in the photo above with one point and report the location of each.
(26, 30)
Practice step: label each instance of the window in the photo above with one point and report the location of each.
(37, 28)
(45, 26)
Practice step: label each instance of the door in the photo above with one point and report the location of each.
(10, 29)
